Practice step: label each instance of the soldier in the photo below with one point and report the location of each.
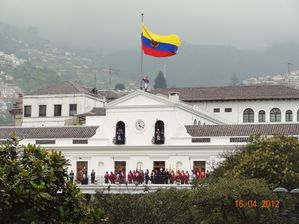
(182, 177)
(92, 177)
(187, 177)
(112, 178)
(106, 177)
(72, 176)
(146, 176)
(166, 176)
(152, 177)
(130, 177)
(145, 84)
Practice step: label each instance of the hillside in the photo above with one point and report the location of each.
(199, 65)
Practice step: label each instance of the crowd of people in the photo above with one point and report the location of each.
(158, 176)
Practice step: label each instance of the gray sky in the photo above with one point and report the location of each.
(115, 24)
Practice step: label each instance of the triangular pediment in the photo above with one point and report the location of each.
(138, 99)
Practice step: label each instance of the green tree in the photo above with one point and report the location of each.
(160, 81)
(34, 187)
(214, 202)
(272, 159)
(119, 86)
(226, 200)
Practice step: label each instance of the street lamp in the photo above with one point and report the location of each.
(290, 217)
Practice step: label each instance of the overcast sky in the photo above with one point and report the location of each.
(115, 24)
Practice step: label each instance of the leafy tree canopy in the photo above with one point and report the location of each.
(272, 159)
(34, 187)
(119, 86)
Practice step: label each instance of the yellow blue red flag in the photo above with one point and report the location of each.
(157, 45)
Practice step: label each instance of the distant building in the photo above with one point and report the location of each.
(58, 105)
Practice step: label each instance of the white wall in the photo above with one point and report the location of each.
(84, 104)
(238, 107)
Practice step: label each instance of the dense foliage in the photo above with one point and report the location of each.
(212, 203)
(245, 175)
(272, 159)
(34, 188)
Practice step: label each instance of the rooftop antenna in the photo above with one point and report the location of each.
(95, 79)
(289, 65)
(109, 71)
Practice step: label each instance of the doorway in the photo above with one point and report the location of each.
(120, 165)
(82, 166)
(157, 165)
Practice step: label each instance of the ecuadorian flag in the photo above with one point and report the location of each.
(159, 46)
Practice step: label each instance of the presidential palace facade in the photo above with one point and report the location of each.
(171, 128)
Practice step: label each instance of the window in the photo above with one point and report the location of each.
(73, 109)
(195, 122)
(80, 141)
(27, 111)
(262, 116)
(297, 115)
(199, 166)
(159, 132)
(216, 110)
(289, 116)
(228, 110)
(240, 139)
(275, 115)
(42, 110)
(120, 134)
(157, 165)
(82, 168)
(201, 140)
(46, 142)
(119, 166)
(57, 110)
(248, 116)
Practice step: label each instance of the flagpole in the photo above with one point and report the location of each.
(141, 58)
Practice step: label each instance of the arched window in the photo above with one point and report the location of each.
(262, 116)
(159, 132)
(289, 115)
(199, 123)
(275, 115)
(120, 134)
(248, 115)
(195, 122)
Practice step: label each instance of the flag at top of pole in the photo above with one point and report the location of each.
(157, 45)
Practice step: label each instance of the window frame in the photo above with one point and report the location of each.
(275, 117)
(262, 114)
(60, 111)
(25, 110)
(248, 115)
(42, 110)
(289, 116)
(228, 110)
(216, 110)
(71, 112)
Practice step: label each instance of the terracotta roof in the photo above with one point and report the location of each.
(65, 87)
(49, 132)
(242, 129)
(262, 92)
(96, 111)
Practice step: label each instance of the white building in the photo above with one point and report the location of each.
(181, 128)
(58, 105)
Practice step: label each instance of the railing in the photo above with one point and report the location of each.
(129, 188)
